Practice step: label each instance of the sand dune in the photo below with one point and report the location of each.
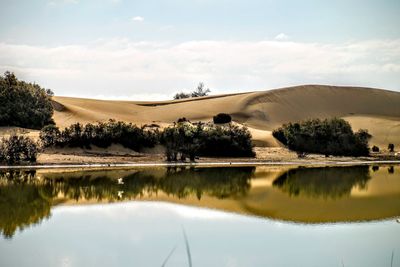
(374, 109)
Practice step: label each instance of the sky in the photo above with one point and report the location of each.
(149, 50)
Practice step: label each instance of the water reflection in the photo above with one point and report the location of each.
(26, 198)
(305, 195)
(180, 183)
(22, 202)
(329, 182)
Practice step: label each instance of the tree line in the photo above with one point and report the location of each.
(101, 134)
(182, 140)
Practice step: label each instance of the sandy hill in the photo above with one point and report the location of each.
(373, 109)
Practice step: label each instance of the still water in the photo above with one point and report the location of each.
(237, 216)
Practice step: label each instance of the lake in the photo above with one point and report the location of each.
(203, 216)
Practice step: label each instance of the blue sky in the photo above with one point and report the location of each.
(151, 49)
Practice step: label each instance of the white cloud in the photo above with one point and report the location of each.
(281, 37)
(138, 19)
(120, 68)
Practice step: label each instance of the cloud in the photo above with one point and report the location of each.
(120, 68)
(281, 37)
(138, 19)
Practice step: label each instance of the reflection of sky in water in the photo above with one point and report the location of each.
(143, 233)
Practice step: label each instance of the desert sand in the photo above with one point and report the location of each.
(376, 110)
(373, 109)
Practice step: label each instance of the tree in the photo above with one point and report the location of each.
(24, 104)
(198, 92)
(49, 135)
(182, 140)
(16, 149)
(185, 139)
(329, 137)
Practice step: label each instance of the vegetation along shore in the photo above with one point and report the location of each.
(265, 127)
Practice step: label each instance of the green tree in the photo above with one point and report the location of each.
(16, 149)
(24, 104)
(329, 137)
(49, 135)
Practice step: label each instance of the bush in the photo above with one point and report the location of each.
(391, 147)
(226, 141)
(375, 149)
(221, 118)
(181, 95)
(182, 139)
(24, 104)
(16, 149)
(185, 139)
(49, 135)
(101, 135)
(328, 137)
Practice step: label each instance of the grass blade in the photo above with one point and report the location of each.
(391, 262)
(187, 247)
(169, 256)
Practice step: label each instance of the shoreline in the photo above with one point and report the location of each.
(202, 164)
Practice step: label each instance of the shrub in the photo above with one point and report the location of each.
(102, 134)
(221, 118)
(185, 139)
(391, 147)
(329, 137)
(24, 104)
(375, 149)
(226, 141)
(181, 95)
(49, 135)
(16, 149)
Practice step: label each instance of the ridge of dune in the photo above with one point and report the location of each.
(375, 109)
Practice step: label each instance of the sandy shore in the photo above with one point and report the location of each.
(265, 156)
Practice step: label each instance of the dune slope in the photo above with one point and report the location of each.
(374, 109)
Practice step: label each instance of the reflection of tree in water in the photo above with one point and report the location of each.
(391, 170)
(216, 182)
(22, 202)
(329, 182)
(181, 183)
(25, 200)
